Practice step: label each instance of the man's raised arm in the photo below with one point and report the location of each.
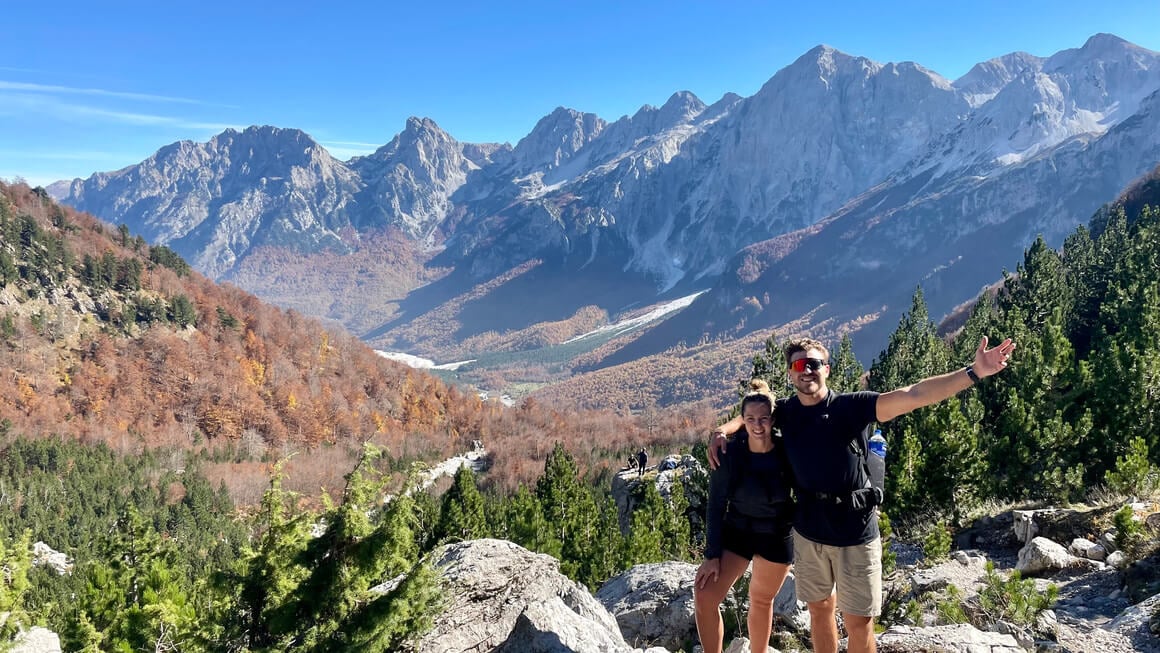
(934, 389)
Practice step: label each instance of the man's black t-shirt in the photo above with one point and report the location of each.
(825, 445)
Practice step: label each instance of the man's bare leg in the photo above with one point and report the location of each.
(824, 626)
(861, 632)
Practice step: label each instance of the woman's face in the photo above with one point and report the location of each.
(758, 420)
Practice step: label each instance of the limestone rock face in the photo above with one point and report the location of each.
(506, 598)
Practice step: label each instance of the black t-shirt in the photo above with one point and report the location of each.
(824, 444)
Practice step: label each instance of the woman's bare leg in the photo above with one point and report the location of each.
(764, 584)
(707, 602)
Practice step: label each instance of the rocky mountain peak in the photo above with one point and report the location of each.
(1103, 44)
(555, 139)
(829, 63)
(682, 106)
(418, 140)
(987, 78)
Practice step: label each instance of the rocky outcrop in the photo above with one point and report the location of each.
(36, 640)
(686, 469)
(43, 554)
(503, 597)
(1093, 611)
(653, 603)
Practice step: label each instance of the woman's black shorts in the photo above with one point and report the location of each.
(775, 545)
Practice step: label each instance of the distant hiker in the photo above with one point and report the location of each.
(631, 461)
(835, 526)
(748, 518)
(641, 461)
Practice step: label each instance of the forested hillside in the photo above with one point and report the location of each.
(104, 338)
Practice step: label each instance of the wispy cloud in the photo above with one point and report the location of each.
(61, 156)
(72, 90)
(22, 103)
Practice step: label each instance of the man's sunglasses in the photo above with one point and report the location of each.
(801, 364)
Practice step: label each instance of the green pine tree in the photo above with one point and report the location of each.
(462, 514)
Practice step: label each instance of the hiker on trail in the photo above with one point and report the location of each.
(748, 518)
(838, 563)
(641, 461)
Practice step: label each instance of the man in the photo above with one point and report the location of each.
(641, 461)
(837, 547)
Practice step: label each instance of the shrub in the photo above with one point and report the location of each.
(1134, 474)
(1130, 536)
(937, 544)
(950, 610)
(1014, 598)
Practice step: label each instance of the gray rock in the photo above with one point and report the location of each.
(653, 603)
(504, 597)
(1082, 548)
(1047, 625)
(964, 575)
(1021, 634)
(1117, 559)
(1042, 555)
(1135, 617)
(36, 640)
(1025, 527)
(43, 554)
(958, 638)
(1108, 540)
(552, 627)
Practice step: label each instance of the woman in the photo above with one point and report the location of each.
(748, 518)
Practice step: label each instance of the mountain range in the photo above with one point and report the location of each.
(817, 205)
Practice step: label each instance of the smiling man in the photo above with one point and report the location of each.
(837, 546)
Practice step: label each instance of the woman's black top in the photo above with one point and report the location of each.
(749, 492)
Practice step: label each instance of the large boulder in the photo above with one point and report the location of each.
(1041, 555)
(653, 603)
(503, 597)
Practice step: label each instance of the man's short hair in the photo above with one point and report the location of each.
(804, 344)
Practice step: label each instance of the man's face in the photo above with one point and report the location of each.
(808, 371)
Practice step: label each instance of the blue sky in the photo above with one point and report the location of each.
(96, 86)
